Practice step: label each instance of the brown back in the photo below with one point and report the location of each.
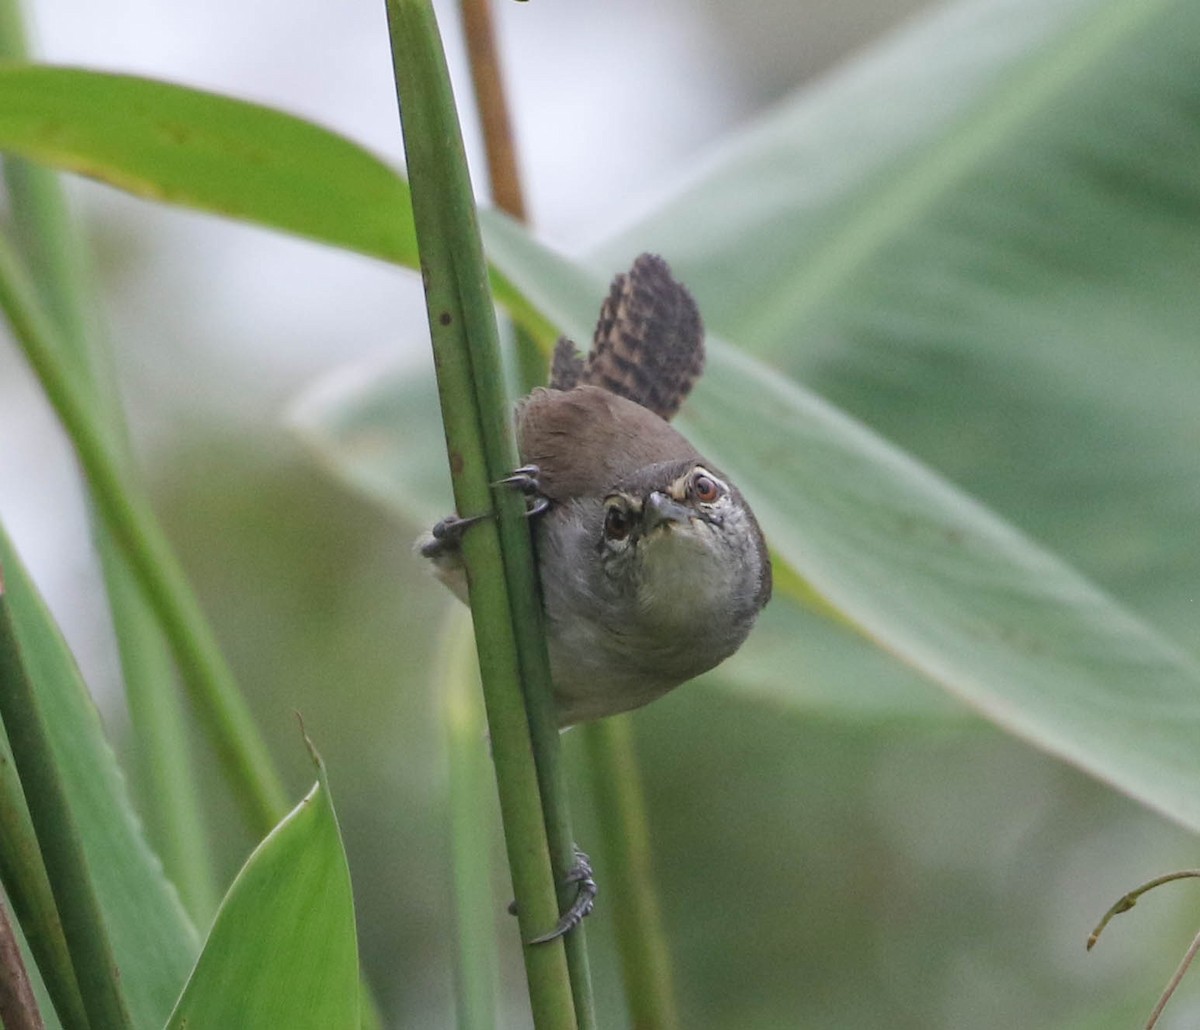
(586, 439)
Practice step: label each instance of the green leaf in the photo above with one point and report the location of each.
(59, 842)
(930, 575)
(151, 936)
(981, 239)
(208, 152)
(282, 950)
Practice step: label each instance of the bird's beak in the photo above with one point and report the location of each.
(662, 510)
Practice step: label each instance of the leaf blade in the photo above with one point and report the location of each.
(150, 931)
(213, 153)
(839, 502)
(282, 950)
(1027, 327)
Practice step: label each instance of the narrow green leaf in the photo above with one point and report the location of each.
(59, 841)
(167, 786)
(282, 951)
(150, 931)
(28, 888)
(213, 153)
(196, 149)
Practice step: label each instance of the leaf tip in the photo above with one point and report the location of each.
(312, 748)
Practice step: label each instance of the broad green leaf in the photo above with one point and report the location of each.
(282, 950)
(153, 940)
(377, 428)
(982, 239)
(208, 152)
(930, 575)
(213, 153)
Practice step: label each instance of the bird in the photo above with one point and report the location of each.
(651, 563)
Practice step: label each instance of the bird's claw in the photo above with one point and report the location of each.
(526, 479)
(538, 505)
(448, 534)
(581, 874)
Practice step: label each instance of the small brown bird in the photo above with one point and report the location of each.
(652, 566)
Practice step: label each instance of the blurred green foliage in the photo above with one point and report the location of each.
(813, 871)
(821, 866)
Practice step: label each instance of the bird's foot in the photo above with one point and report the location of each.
(446, 536)
(581, 874)
(444, 540)
(526, 479)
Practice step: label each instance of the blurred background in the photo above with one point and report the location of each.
(815, 871)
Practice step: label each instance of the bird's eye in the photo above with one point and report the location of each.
(617, 522)
(705, 488)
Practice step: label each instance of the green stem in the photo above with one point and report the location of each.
(58, 837)
(621, 814)
(531, 362)
(129, 518)
(498, 551)
(55, 256)
(499, 146)
(1127, 901)
(170, 802)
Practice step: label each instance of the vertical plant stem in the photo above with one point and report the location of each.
(621, 814)
(1173, 984)
(499, 144)
(525, 596)
(498, 551)
(457, 686)
(488, 83)
(505, 179)
(58, 838)
(55, 256)
(18, 1006)
(641, 939)
(244, 756)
